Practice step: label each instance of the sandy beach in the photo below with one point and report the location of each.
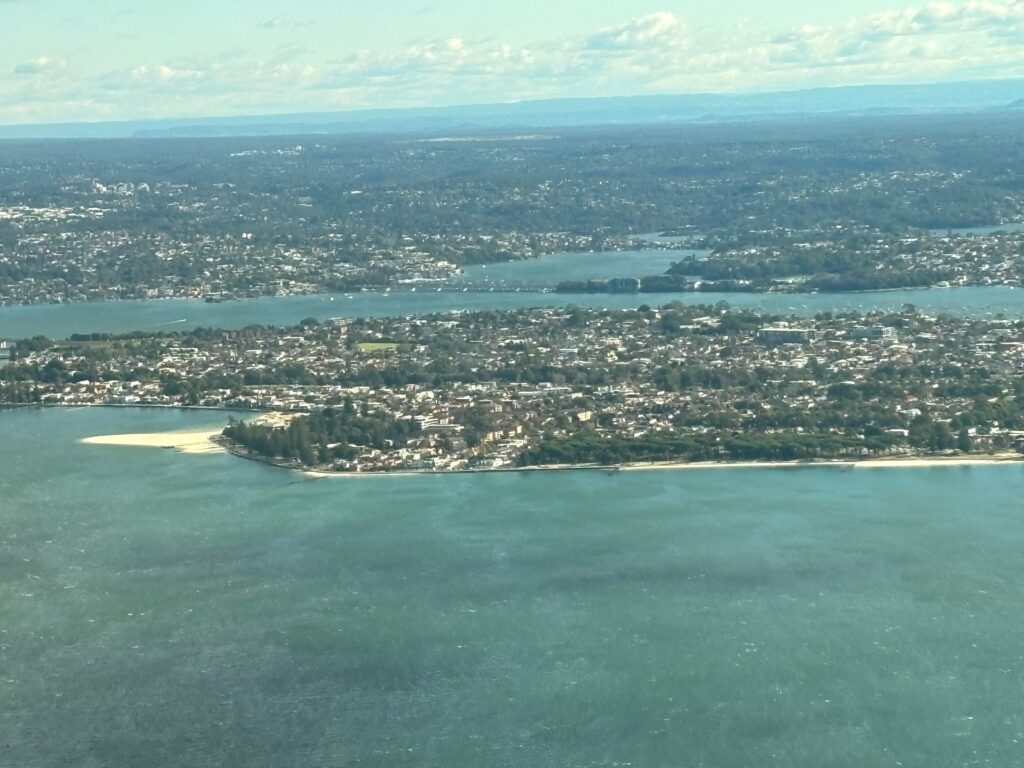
(202, 441)
(185, 441)
(895, 462)
(889, 462)
(1008, 457)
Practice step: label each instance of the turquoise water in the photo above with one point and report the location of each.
(658, 237)
(987, 230)
(61, 320)
(548, 271)
(170, 610)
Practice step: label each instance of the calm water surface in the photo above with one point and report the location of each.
(61, 320)
(986, 230)
(548, 271)
(170, 610)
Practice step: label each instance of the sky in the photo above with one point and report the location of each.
(98, 60)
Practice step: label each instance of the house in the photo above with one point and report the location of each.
(873, 333)
(786, 335)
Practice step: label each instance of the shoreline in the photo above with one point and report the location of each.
(893, 462)
(200, 440)
(77, 406)
(884, 462)
(455, 288)
(207, 440)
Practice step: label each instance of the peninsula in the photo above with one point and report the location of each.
(566, 387)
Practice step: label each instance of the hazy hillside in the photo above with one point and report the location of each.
(689, 108)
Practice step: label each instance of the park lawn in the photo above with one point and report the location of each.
(377, 346)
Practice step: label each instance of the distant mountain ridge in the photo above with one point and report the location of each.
(1002, 95)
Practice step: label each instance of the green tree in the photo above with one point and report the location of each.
(963, 441)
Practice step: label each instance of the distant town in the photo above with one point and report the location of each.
(781, 211)
(564, 386)
(857, 205)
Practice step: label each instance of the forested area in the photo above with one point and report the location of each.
(334, 433)
(593, 448)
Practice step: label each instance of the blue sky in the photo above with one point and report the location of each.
(71, 60)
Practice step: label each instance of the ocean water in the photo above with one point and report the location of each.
(162, 609)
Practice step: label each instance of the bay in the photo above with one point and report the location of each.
(61, 320)
(991, 229)
(163, 609)
(548, 271)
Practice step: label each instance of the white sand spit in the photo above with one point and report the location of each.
(185, 441)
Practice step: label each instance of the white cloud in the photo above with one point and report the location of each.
(654, 53)
(40, 66)
(661, 28)
(278, 22)
(937, 40)
(165, 74)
